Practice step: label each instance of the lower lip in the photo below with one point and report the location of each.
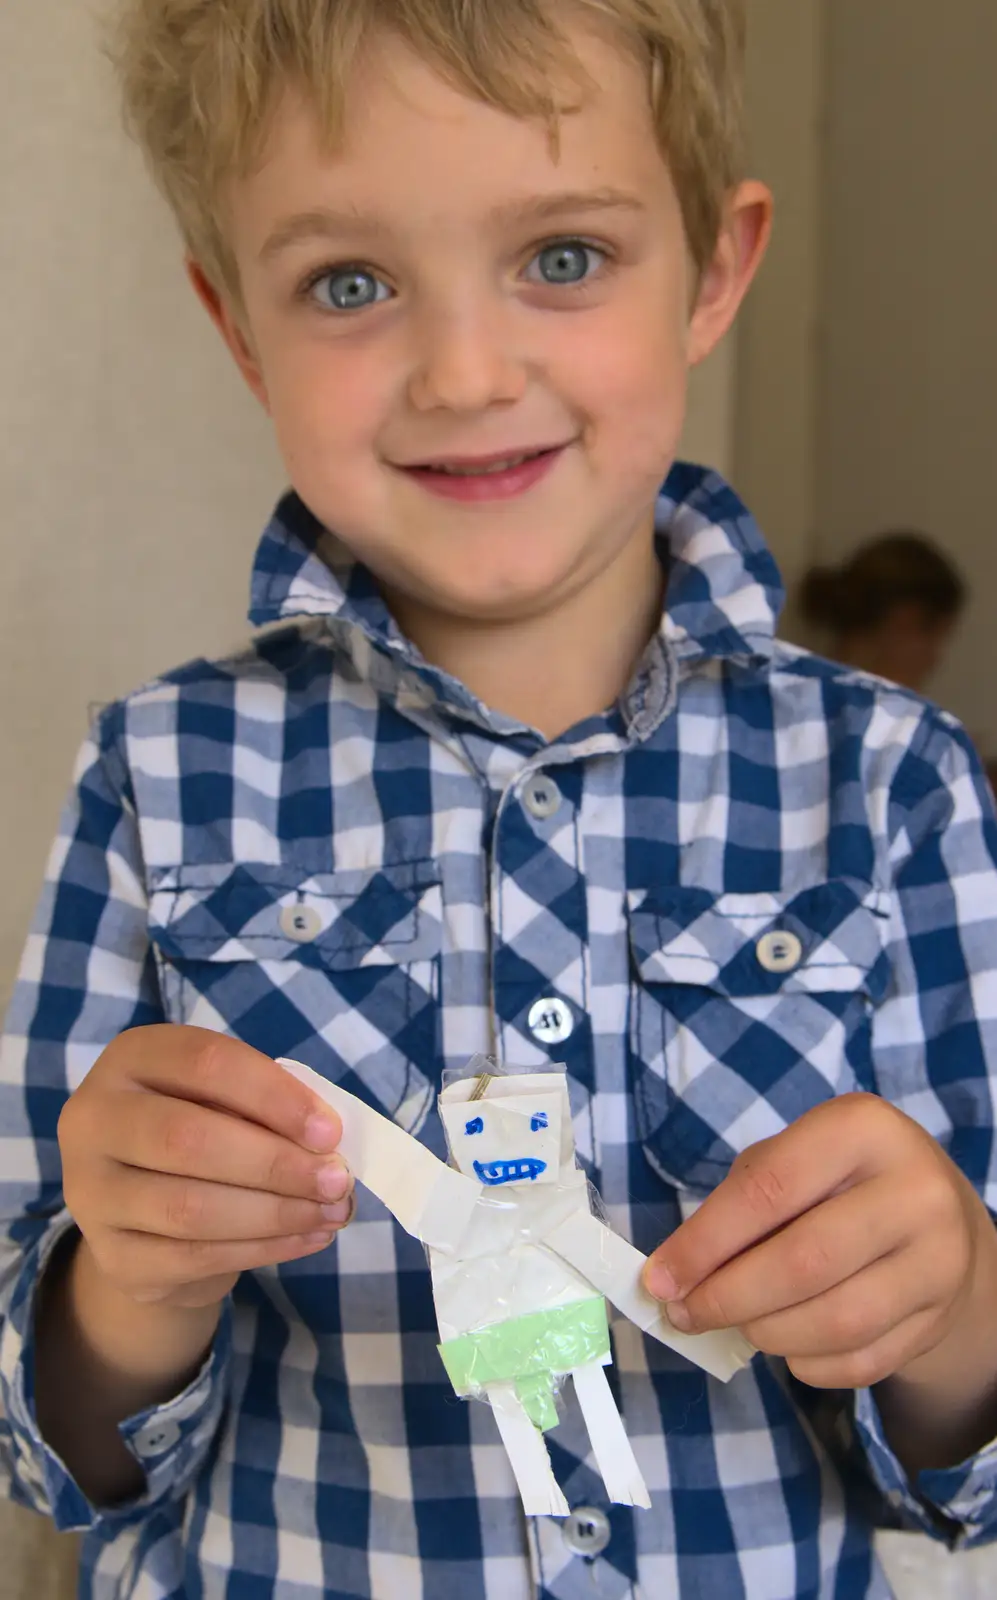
(479, 487)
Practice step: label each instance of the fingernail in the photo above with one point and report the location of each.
(678, 1316)
(322, 1237)
(333, 1181)
(660, 1282)
(321, 1133)
(341, 1212)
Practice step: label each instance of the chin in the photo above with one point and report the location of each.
(503, 600)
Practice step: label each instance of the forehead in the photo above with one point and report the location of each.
(509, 1113)
(514, 1118)
(418, 150)
(527, 1091)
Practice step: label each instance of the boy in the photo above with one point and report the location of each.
(521, 770)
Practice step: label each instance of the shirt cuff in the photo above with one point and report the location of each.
(169, 1442)
(957, 1504)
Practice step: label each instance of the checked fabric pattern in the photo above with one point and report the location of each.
(327, 848)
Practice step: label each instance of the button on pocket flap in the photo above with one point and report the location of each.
(247, 911)
(826, 938)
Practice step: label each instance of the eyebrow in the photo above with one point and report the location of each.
(326, 223)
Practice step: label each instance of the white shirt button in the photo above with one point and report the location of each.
(542, 797)
(587, 1531)
(156, 1438)
(779, 952)
(550, 1021)
(300, 923)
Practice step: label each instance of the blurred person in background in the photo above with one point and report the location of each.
(890, 609)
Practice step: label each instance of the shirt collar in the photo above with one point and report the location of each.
(724, 598)
(724, 589)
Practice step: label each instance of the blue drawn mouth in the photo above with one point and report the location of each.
(493, 1172)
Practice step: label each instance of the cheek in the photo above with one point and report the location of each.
(631, 376)
(326, 405)
(928, 657)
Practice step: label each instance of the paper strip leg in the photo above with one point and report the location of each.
(612, 1449)
(527, 1453)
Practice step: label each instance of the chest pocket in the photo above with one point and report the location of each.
(747, 1010)
(340, 970)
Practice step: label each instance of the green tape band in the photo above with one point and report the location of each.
(530, 1352)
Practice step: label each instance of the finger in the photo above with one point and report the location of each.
(153, 1266)
(213, 1070)
(853, 1316)
(861, 1369)
(187, 1208)
(824, 1247)
(770, 1185)
(158, 1133)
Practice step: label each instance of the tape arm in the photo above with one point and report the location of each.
(430, 1200)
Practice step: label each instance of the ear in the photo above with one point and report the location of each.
(227, 320)
(741, 246)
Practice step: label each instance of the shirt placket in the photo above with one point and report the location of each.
(540, 996)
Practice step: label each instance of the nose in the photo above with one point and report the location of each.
(466, 362)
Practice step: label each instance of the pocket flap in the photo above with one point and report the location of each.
(685, 935)
(248, 911)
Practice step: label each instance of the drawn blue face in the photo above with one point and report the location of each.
(512, 1139)
(528, 1168)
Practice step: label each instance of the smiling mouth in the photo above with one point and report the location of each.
(496, 1172)
(482, 466)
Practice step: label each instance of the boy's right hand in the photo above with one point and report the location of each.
(189, 1158)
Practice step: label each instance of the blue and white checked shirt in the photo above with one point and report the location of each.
(459, 870)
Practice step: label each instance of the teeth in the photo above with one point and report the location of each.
(483, 472)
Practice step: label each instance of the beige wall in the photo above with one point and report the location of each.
(135, 473)
(776, 387)
(908, 370)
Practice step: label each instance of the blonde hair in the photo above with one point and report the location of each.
(200, 80)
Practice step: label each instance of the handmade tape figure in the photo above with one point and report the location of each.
(521, 1267)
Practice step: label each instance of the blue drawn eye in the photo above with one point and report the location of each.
(476, 1125)
(538, 1121)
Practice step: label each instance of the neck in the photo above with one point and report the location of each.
(866, 653)
(556, 668)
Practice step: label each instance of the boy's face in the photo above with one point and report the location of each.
(515, 1140)
(444, 291)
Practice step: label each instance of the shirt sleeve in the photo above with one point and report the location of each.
(935, 1049)
(87, 975)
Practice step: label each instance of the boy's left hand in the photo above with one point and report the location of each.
(851, 1245)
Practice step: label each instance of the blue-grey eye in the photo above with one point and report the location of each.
(568, 261)
(538, 1121)
(476, 1125)
(351, 289)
